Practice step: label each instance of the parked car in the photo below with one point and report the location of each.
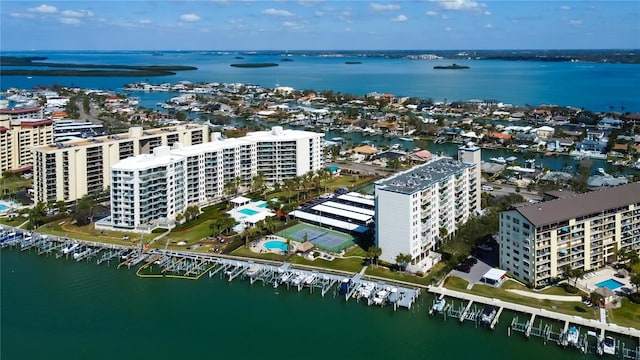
(471, 261)
(466, 268)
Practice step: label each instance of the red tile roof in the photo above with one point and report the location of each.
(19, 111)
(36, 123)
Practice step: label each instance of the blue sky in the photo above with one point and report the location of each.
(318, 25)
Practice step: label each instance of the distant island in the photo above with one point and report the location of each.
(353, 62)
(84, 69)
(451, 67)
(254, 65)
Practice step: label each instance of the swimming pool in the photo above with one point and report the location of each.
(279, 245)
(247, 212)
(4, 205)
(610, 284)
(263, 205)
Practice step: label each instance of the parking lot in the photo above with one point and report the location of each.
(487, 259)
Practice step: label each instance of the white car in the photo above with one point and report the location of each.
(487, 188)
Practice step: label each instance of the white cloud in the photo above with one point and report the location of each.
(22, 15)
(487, 12)
(347, 29)
(189, 17)
(276, 12)
(69, 21)
(319, 13)
(399, 18)
(461, 5)
(73, 13)
(575, 22)
(565, 7)
(448, 29)
(309, 2)
(384, 7)
(431, 13)
(292, 25)
(144, 21)
(488, 26)
(44, 9)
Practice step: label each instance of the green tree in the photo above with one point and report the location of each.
(374, 253)
(61, 206)
(37, 214)
(258, 183)
(83, 211)
(635, 281)
(403, 260)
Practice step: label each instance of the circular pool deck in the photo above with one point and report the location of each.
(259, 247)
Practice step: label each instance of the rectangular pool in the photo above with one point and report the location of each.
(247, 212)
(610, 284)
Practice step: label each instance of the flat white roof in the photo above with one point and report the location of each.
(145, 161)
(357, 199)
(325, 220)
(240, 200)
(340, 212)
(349, 208)
(278, 133)
(494, 274)
(214, 145)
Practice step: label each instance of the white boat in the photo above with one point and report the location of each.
(488, 313)
(70, 248)
(336, 139)
(380, 297)
(285, 277)
(405, 138)
(438, 306)
(511, 159)
(609, 345)
(310, 279)
(255, 269)
(498, 160)
(365, 290)
(573, 336)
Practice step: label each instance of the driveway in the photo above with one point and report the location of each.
(476, 273)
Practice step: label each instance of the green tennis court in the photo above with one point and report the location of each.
(323, 238)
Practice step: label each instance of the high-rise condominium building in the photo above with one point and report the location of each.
(583, 231)
(413, 207)
(68, 171)
(21, 130)
(151, 190)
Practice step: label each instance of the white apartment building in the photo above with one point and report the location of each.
(412, 207)
(583, 231)
(284, 154)
(151, 190)
(68, 171)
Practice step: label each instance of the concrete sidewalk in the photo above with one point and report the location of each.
(545, 296)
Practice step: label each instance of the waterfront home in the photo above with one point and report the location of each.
(544, 132)
(609, 123)
(500, 137)
(559, 144)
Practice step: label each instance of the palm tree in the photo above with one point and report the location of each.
(403, 260)
(374, 253)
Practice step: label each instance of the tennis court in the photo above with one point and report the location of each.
(323, 238)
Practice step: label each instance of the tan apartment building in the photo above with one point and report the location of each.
(584, 231)
(19, 133)
(68, 171)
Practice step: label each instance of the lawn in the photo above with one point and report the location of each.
(15, 222)
(569, 308)
(352, 265)
(384, 272)
(627, 315)
(63, 228)
(12, 184)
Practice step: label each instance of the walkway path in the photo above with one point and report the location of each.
(546, 296)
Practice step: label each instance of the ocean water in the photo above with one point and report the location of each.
(593, 86)
(61, 309)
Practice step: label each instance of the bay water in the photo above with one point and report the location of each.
(593, 86)
(61, 309)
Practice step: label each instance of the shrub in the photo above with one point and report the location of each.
(570, 288)
(635, 298)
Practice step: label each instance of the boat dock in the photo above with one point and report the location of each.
(544, 331)
(168, 263)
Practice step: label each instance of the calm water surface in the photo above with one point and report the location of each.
(55, 309)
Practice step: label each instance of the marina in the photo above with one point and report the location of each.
(587, 336)
(570, 335)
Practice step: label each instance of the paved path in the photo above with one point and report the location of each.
(545, 296)
(613, 328)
